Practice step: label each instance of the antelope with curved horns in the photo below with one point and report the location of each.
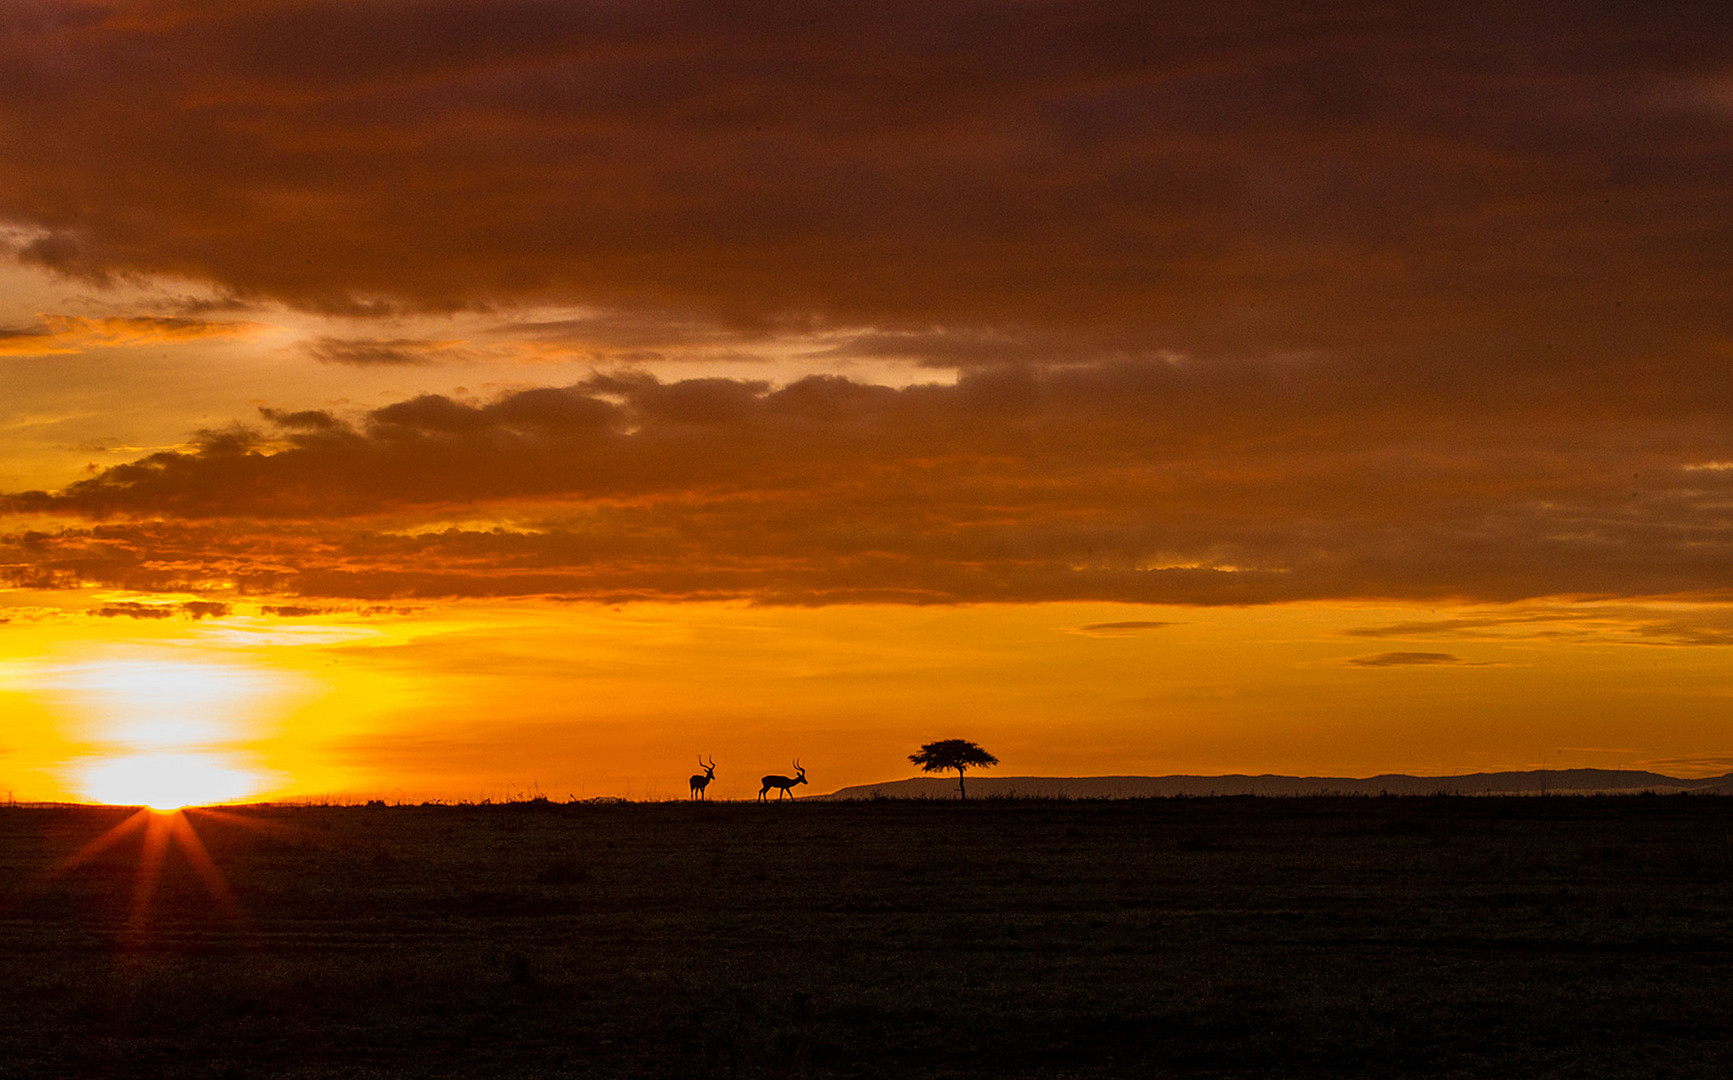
(700, 781)
(786, 783)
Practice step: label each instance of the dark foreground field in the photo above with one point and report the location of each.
(1578, 937)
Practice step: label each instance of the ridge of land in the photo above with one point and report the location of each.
(1531, 782)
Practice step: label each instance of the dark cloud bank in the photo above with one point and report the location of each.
(1134, 480)
(1462, 182)
(1449, 284)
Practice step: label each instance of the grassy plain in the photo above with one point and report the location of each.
(1315, 937)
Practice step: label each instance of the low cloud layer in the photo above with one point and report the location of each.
(57, 334)
(1136, 481)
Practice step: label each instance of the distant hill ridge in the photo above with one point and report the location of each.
(1533, 782)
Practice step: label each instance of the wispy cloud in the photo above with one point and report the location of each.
(387, 352)
(1127, 628)
(1706, 625)
(1699, 765)
(190, 609)
(1408, 659)
(57, 334)
(1472, 625)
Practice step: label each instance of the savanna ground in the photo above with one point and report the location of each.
(1579, 937)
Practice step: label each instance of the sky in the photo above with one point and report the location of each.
(460, 399)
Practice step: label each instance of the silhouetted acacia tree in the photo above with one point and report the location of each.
(948, 754)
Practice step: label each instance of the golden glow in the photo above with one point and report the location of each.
(469, 700)
(166, 781)
(158, 704)
(166, 726)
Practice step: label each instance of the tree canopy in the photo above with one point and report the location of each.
(958, 754)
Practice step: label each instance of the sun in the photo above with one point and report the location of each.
(166, 781)
(164, 732)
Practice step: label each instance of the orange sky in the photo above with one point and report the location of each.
(456, 399)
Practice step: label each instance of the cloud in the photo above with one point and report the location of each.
(304, 419)
(134, 610)
(1126, 628)
(293, 611)
(191, 609)
(1688, 631)
(1702, 766)
(305, 611)
(1473, 625)
(1478, 185)
(1131, 480)
(77, 333)
(639, 336)
(1406, 659)
(1247, 305)
(385, 352)
(1591, 622)
(990, 346)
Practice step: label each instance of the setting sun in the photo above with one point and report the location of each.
(163, 728)
(166, 781)
(160, 730)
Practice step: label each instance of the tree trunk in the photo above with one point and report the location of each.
(962, 792)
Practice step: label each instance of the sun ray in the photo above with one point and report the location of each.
(245, 821)
(157, 834)
(102, 843)
(187, 840)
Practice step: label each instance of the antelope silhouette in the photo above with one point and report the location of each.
(786, 783)
(700, 781)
